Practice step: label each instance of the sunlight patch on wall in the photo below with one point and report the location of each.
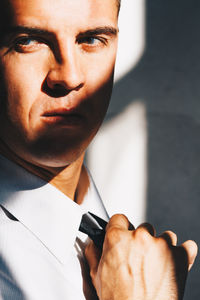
(117, 160)
(131, 36)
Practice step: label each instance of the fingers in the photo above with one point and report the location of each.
(117, 232)
(170, 237)
(148, 227)
(92, 255)
(119, 221)
(189, 246)
(191, 249)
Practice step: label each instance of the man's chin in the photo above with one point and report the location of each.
(55, 159)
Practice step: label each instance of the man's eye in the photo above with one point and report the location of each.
(90, 40)
(93, 41)
(27, 44)
(26, 41)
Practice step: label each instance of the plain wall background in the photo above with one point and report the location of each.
(149, 147)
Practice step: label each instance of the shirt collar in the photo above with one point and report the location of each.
(92, 201)
(45, 211)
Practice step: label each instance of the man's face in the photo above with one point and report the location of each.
(56, 63)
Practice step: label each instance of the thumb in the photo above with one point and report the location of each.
(93, 256)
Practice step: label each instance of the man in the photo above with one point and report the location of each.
(57, 63)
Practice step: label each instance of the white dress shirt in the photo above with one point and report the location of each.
(41, 249)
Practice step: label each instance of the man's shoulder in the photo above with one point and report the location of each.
(11, 230)
(15, 238)
(27, 268)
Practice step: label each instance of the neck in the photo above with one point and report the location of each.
(72, 180)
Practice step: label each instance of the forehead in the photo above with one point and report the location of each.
(67, 12)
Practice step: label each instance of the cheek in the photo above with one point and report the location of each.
(101, 83)
(99, 88)
(100, 71)
(99, 102)
(21, 83)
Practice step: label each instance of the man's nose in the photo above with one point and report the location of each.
(65, 71)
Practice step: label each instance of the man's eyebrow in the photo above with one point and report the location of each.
(107, 30)
(28, 30)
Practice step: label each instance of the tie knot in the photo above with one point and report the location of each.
(94, 227)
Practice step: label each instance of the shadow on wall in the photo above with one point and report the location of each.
(166, 81)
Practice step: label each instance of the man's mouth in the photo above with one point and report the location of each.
(63, 117)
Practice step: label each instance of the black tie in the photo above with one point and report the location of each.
(94, 227)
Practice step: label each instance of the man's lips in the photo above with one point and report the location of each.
(63, 116)
(61, 111)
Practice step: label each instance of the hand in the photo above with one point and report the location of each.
(136, 265)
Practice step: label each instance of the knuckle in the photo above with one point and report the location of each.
(114, 235)
(163, 244)
(148, 228)
(170, 232)
(143, 235)
(118, 217)
(170, 237)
